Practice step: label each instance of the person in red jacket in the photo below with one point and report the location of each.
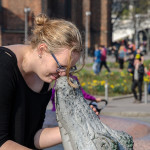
(103, 58)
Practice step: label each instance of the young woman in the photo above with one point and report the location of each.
(25, 75)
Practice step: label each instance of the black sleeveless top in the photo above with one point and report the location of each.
(22, 111)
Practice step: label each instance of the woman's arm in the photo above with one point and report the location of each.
(11, 145)
(7, 90)
(47, 137)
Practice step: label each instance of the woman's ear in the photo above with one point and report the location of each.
(41, 49)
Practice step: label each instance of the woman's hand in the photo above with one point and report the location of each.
(94, 109)
(98, 99)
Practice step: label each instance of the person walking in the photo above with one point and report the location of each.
(103, 58)
(137, 80)
(130, 59)
(138, 53)
(115, 53)
(26, 72)
(121, 57)
(97, 60)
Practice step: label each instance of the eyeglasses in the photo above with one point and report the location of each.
(61, 68)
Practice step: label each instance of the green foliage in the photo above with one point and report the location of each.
(146, 63)
(125, 13)
(139, 7)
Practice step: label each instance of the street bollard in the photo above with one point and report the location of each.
(145, 92)
(106, 90)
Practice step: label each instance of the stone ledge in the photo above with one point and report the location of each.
(126, 114)
(118, 97)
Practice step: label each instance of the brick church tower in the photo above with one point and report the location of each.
(12, 18)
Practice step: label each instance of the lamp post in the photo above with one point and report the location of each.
(137, 16)
(87, 13)
(26, 11)
(148, 37)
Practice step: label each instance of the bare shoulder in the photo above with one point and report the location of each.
(18, 50)
(15, 48)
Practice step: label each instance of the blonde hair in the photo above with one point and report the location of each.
(56, 34)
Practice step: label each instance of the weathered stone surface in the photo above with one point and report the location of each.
(80, 127)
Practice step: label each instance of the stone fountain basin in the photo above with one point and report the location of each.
(140, 131)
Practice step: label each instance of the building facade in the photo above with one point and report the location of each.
(12, 18)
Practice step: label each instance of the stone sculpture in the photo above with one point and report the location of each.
(80, 127)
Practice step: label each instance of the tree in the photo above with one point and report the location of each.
(134, 10)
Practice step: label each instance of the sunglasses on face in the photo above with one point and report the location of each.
(62, 68)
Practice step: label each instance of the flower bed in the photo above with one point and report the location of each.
(119, 83)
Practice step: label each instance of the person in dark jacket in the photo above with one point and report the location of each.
(137, 80)
(130, 59)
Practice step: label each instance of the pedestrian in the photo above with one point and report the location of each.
(121, 57)
(115, 52)
(103, 58)
(96, 65)
(137, 80)
(130, 59)
(25, 75)
(142, 48)
(138, 52)
(132, 46)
